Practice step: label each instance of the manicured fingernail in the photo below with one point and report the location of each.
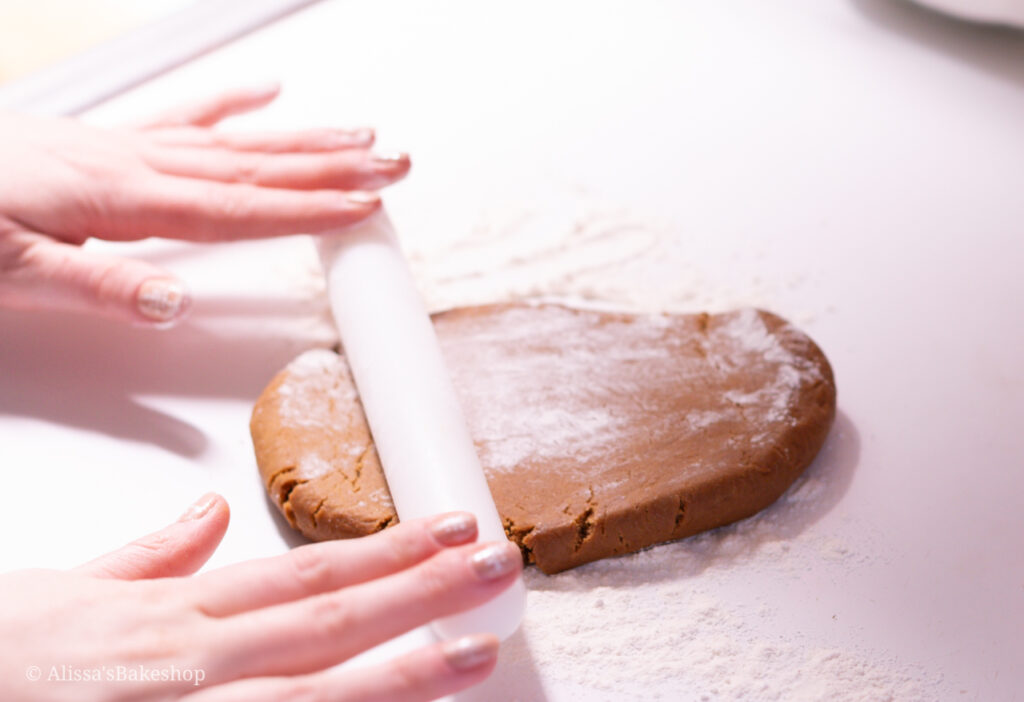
(200, 508)
(262, 90)
(161, 299)
(496, 561)
(389, 160)
(362, 197)
(454, 529)
(470, 652)
(361, 136)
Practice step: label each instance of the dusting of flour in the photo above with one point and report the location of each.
(583, 252)
(656, 625)
(676, 622)
(312, 389)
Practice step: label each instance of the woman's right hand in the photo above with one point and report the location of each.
(131, 625)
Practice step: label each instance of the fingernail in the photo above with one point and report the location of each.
(454, 529)
(362, 197)
(264, 89)
(199, 508)
(496, 561)
(161, 299)
(361, 136)
(470, 652)
(389, 160)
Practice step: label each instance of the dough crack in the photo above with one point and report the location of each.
(585, 521)
(584, 525)
(518, 536)
(284, 492)
(316, 511)
(680, 513)
(277, 474)
(360, 464)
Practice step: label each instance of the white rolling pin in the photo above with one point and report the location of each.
(417, 424)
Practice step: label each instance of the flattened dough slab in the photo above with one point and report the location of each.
(600, 433)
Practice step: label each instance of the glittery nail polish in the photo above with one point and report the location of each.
(263, 90)
(360, 136)
(470, 652)
(496, 561)
(389, 160)
(200, 508)
(161, 300)
(454, 529)
(362, 197)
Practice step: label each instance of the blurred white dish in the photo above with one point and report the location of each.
(998, 11)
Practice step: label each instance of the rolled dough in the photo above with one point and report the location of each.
(600, 433)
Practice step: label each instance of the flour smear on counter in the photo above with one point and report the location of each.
(655, 617)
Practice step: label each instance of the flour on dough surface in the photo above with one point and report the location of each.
(667, 616)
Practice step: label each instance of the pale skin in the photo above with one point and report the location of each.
(259, 630)
(63, 181)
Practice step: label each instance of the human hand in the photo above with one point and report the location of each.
(257, 631)
(62, 181)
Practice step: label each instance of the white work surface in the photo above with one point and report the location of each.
(856, 166)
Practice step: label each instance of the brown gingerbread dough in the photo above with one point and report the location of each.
(600, 433)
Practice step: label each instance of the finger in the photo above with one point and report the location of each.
(197, 210)
(350, 169)
(40, 273)
(324, 567)
(179, 549)
(209, 111)
(306, 141)
(319, 631)
(426, 674)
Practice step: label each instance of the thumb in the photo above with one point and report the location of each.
(179, 549)
(210, 111)
(37, 272)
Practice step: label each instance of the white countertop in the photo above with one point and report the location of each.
(855, 166)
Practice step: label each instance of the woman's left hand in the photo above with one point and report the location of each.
(62, 182)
